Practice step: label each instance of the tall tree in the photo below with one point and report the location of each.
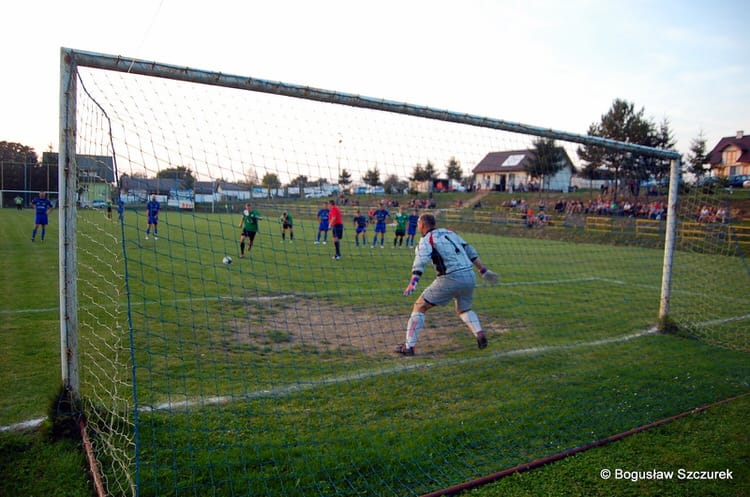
(430, 172)
(270, 182)
(372, 177)
(453, 170)
(655, 167)
(345, 179)
(622, 123)
(697, 157)
(418, 173)
(545, 161)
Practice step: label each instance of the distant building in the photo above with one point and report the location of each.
(233, 191)
(96, 176)
(731, 156)
(506, 172)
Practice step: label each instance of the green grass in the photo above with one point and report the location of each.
(550, 383)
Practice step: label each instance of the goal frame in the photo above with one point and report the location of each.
(70, 59)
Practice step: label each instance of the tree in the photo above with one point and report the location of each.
(697, 157)
(181, 173)
(372, 177)
(430, 172)
(251, 176)
(300, 181)
(270, 182)
(394, 185)
(345, 179)
(546, 160)
(418, 174)
(654, 167)
(454, 171)
(622, 123)
(18, 153)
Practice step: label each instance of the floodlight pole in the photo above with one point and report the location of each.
(67, 245)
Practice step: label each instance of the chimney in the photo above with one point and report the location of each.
(740, 134)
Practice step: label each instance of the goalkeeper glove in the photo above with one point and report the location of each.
(411, 286)
(490, 277)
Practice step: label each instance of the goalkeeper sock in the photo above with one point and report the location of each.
(472, 321)
(413, 327)
(242, 248)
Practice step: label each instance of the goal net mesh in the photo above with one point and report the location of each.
(276, 374)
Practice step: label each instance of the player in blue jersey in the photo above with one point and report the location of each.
(360, 228)
(323, 215)
(381, 215)
(411, 228)
(152, 210)
(42, 206)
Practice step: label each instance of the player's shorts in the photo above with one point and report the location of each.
(337, 230)
(458, 286)
(400, 232)
(323, 227)
(361, 229)
(41, 219)
(287, 225)
(380, 228)
(249, 234)
(153, 219)
(411, 231)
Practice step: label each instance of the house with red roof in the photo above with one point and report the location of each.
(506, 172)
(731, 156)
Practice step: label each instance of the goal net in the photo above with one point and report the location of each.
(275, 373)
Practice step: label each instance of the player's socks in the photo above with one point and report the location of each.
(44, 232)
(33, 234)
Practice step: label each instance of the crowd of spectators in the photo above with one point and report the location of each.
(600, 206)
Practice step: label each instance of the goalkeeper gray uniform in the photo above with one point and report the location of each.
(452, 257)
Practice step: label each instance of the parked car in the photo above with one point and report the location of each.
(739, 180)
(98, 204)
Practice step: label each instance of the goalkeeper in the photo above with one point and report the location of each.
(453, 259)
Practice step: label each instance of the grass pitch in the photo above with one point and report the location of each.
(560, 372)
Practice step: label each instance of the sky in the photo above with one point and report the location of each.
(545, 63)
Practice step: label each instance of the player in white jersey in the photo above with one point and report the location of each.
(454, 260)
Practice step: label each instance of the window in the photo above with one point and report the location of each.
(729, 156)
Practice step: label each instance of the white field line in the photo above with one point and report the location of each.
(405, 365)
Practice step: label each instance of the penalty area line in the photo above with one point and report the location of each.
(373, 373)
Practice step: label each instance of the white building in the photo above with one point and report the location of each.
(506, 172)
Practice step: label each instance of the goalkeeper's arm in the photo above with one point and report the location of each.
(487, 275)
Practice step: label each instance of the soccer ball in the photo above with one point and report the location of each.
(227, 260)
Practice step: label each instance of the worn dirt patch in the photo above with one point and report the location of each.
(298, 323)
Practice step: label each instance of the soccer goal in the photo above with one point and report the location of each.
(217, 347)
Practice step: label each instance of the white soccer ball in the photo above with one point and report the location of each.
(227, 260)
